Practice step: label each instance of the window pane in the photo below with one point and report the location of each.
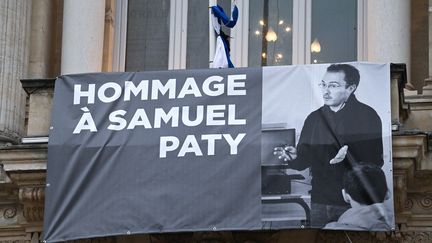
(147, 44)
(334, 27)
(197, 54)
(270, 32)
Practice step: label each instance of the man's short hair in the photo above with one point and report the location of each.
(352, 75)
(366, 184)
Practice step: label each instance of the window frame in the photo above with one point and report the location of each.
(301, 32)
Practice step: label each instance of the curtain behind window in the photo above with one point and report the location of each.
(147, 43)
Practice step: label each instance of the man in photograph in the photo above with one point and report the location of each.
(335, 138)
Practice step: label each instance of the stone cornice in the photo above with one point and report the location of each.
(419, 102)
(31, 85)
(23, 157)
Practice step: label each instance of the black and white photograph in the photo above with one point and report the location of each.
(326, 147)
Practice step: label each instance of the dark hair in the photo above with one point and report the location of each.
(352, 75)
(366, 184)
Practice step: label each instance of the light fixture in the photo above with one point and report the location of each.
(261, 22)
(257, 32)
(271, 35)
(279, 56)
(281, 22)
(288, 29)
(315, 46)
(315, 61)
(264, 55)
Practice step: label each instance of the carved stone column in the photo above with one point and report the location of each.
(388, 31)
(83, 36)
(419, 43)
(14, 52)
(40, 46)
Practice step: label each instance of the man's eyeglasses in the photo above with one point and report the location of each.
(330, 86)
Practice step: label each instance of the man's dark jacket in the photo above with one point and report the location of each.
(324, 133)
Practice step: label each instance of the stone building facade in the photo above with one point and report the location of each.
(42, 39)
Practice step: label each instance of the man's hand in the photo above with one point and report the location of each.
(340, 156)
(285, 153)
